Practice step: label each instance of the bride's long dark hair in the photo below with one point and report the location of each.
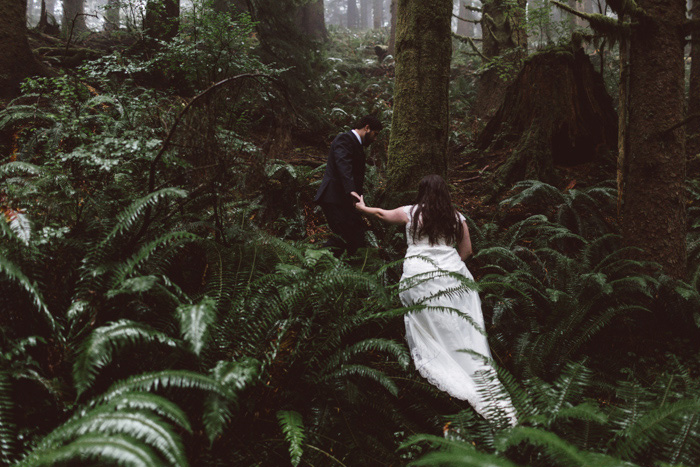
(434, 216)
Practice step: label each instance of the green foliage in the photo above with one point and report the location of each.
(293, 429)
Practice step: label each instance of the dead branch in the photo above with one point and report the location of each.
(466, 20)
(469, 41)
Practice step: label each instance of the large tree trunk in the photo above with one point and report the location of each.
(693, 129)
(504, 36)
(353, 15)
(162, 19)
(365, 9)
(653, 201)
(557, 112)
(16, 59)
(310, 20)
(377, 13)
(419, 128)
(73, 17)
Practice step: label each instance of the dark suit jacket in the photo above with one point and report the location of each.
(345, 171)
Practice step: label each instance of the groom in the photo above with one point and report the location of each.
(345, 174)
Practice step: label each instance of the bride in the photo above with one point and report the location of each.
(449, 323)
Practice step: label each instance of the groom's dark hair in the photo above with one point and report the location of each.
(371, 120)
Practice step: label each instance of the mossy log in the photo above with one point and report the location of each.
(557, 112)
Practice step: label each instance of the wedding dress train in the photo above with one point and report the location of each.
(438, 337)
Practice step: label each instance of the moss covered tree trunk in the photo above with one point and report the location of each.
(419, 128)
(16, 58)
(653, 202)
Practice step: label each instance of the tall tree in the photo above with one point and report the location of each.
(504, 45)
(377, 13)
(652, 165)
(353, 16)
(310, 20)
(16, 58)
(73, 17)
(653, 201)
(693, 130)
(419, 127)
(365, 13)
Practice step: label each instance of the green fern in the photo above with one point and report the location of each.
(293, 429)
(195, 321)
(98, 349)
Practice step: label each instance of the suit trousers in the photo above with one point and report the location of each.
(347, 225)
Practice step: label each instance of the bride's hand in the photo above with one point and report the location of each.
(360, 201)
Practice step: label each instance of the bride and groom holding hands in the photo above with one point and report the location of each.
(438, 243)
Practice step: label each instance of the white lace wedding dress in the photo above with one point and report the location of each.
(437, 336)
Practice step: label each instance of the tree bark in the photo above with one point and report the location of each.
(378, 13)
(73, 17)
(310, 20)
(693, 128)
(505, 40)
(16, 59)
(419, 128)
(353, 15)
(653, 200)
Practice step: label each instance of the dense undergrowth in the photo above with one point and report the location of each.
(163, 305)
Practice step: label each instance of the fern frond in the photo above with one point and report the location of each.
(146, 252)
(14, 167)
(153, 381)
(555, 447)
(142, 426)
(369, 345)
(195, 321)
(98, 349)
(293, 428)
(142, 401)
(233, 377)
(13, 273)
(655, 426)
(120, 450)
(8, 429)
(363, 372)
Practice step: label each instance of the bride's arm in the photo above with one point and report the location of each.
(393, 216)
(464, 246)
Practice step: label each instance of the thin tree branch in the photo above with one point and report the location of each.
(466, 20)
(469, 41)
